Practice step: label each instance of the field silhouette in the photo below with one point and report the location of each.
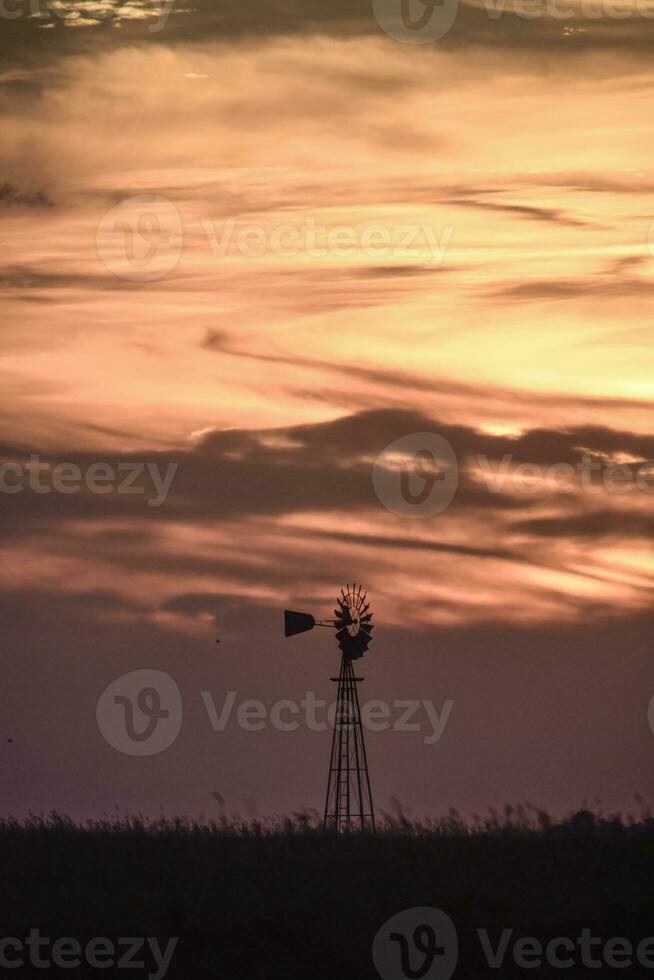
(279, 900)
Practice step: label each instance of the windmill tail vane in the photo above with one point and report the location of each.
(348, 804)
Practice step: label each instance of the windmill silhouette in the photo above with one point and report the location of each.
(348, 804)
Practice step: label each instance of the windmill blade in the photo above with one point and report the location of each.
(359, 648)
(343, 612)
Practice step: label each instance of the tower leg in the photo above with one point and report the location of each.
(348, 805)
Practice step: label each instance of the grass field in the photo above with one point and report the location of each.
(279, 900)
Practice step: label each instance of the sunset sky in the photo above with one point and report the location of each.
(505, 304)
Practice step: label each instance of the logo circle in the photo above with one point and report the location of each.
(140, 239)
(416, 475)
(419, 942)
(140, 713)
(415, 21)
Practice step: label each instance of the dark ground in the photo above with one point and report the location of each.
(279, 902)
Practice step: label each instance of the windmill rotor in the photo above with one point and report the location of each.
(353, 622)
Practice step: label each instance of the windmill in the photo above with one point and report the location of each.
(348, 805)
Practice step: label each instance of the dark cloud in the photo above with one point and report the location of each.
(417, 544)
(31, 44)
(11, 196)
(553, 215)
(236, 473)
(35, 278)
(594, 524)
(614, 280)
(563, 289)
